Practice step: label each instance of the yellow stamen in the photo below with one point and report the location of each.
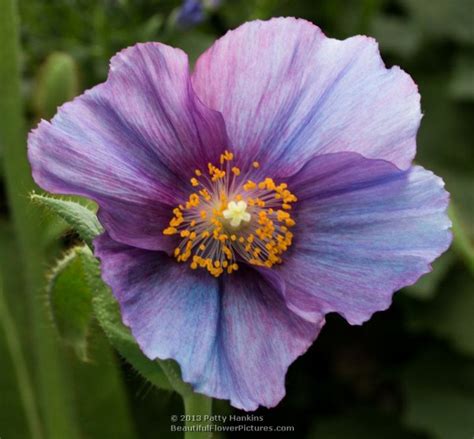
(230, 221)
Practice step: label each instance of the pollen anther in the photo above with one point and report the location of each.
(228, 222)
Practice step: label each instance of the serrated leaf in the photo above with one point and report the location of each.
(57, 82)
(80, 218)
(70, 300)
(107, 313)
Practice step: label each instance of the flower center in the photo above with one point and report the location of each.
(230, 218)
(236, 213)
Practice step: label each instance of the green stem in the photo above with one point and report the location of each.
(25, 385)
(197, 407)
(172, 372)
(55, 402)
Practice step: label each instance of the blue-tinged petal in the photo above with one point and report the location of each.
(233, 339)
(130, 143)
(287, 92)
(173, 311)
(364, 230)
(258, 339)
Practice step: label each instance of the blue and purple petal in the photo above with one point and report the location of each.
(364, 229)
(232, 342)
(288, 93)
(125, 143)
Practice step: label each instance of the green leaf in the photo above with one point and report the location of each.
(82, 219)
(57, 82)
(107, 312)
(439, 395)
(70, 300)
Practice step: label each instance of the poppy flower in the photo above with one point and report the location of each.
(244, 201)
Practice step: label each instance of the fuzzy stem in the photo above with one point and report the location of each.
(172, 372)
(197, 407)
(55, 402)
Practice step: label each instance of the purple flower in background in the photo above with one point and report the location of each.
(246, 200)
(190, 13)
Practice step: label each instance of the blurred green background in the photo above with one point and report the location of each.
(408, 373)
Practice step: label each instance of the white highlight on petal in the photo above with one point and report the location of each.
(236, 212)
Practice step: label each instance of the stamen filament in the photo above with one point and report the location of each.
(232, 219)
